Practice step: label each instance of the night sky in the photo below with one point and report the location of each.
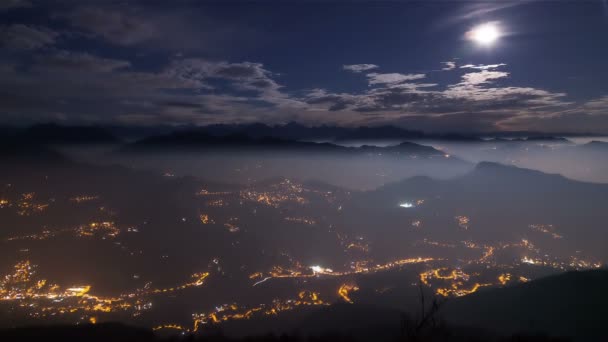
(434, 66)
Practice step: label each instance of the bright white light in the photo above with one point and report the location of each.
(318, 269)
(406, 205)
(484, 34)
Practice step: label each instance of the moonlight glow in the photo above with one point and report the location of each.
(484, 34)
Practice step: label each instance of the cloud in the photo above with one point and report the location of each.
(481, 66)
(74, 61)
(597, 106)
(204, 91)
(359, 67)
(475, 11)
(244, 76)
(109, 90)
(332, 101)
(586, 117)
(475, 78)
(249, 77)
(392, 78)
(10, 4)
(116, 27)
(428, 106)
(23, 37)
(177, 28)
(449, 65)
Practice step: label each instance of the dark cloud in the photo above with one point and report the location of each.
(10, 4)
(239, 70)
(157, 26)
(114, 26)
(67, 60)
(24, 37)
(241, 76)
(449, 65)
(181, 104)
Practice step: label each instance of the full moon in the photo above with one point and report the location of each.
(484, 34)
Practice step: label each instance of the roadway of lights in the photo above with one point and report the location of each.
(105, 229)
(463, 221)
(26, 205)
(459, 279)
(316, 271)
(456, 282)
(456, 279)
(49, 300)
(546, 229)
(345, 291)
(84, 198)
(286, 191)
(43, 299)
(303, 220)
(230, 312)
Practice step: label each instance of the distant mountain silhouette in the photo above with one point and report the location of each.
(297, 131)
(201, 140)
(570, 305)
(596, 146)
(11, 152)
(538, 138)
(492, 192)
(56, 134)
(45, 134)
(379, 132)
(547, 138)
(487, 178)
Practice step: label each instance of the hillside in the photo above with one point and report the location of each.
(570, 304)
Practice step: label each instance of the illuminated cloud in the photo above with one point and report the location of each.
(482, 67)
(392, 78)
(359, 67)
(598, 106)
(449, 65)
(482, 77)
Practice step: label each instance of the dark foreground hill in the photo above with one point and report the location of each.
(114, 332)
(570, 307)
(573, 304)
